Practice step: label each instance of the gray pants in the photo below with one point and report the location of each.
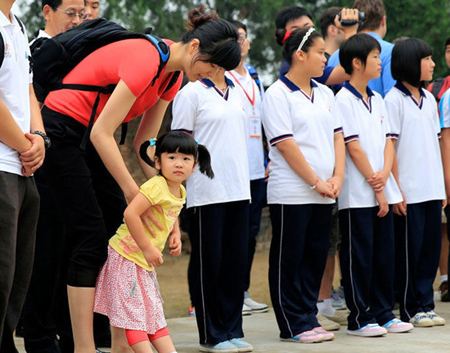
(19, 209)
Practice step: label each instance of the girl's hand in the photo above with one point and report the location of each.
(444, 203)
(382, 202)
(153, 256)
(378, 181)
(175, 243)
(324, 188)
(336, 185)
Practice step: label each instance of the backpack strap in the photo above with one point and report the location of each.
(22, 27)
(164, 53)
(436, 87)
(254, 75)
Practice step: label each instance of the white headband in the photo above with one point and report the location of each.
(305, 38)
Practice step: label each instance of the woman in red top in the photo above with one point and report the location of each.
(90, 184)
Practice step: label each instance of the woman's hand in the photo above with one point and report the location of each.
(336, 185)
(324, 188)
(378, 181)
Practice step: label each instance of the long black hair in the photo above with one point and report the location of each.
(182, 142)
(293, 41)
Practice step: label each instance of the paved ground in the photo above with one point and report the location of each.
(261, 331)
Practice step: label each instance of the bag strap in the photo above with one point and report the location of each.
(2, 40)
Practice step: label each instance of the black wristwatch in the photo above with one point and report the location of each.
(47, 142)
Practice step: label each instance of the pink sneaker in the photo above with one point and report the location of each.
(326, 336)
(398, 326)
(305, 337)
(370, 330)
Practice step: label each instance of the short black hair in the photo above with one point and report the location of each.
(356, 47)
(406, 60)
(327, 19)
(285, 16)
(238, 25)
(294, 40)
(54, 4)
(447, 42)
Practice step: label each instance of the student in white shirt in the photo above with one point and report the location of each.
(212, 111)
(252, 93)
(22, 151)
(418, 170)
(306, 174)
(367, 251)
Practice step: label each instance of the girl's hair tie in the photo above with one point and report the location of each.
(152, 142)
(286, 37)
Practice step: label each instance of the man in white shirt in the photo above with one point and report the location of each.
(22, 152)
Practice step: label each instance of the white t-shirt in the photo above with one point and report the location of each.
(288, 113)
(41, 34)
(15, 79)
(367, 123)
(251, 94)
(218, 124)
(416, 126)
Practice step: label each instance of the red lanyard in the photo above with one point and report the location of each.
(250, 99)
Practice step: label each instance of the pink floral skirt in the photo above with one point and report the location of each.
(129, 295)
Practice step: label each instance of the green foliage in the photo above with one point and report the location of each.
(426, 19)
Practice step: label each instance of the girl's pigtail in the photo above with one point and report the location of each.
(204, 161)
(143, 154)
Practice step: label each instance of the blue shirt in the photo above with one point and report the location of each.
(385, 82)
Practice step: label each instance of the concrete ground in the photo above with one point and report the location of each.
(261, 331)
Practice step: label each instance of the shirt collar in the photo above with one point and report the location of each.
(375, 35)
(292, 86)
(355, 92)
(43, 34)
(208, 83)
(402, 88)
(4, 21)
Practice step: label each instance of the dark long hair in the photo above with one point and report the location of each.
(218, 38)
(182, 142)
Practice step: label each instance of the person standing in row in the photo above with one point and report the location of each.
(306, 173)
(212, 111)
(369, 191)
(252, 92)
(414, 122)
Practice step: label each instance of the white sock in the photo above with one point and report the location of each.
(444, 278)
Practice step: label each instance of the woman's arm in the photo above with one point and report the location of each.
(339, 164)
(102, 137)
(360, 159)
(148, 128)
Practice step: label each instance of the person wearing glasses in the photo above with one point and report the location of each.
(60, 16)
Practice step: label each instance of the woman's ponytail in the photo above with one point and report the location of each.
(204, 161)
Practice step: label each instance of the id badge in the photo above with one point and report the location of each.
(254, 127)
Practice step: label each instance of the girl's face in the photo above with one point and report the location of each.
(314, 59)
(426, 68)
(175, 167)
(372, 68)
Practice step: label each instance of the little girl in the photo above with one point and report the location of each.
(414, 122)
(127, 289)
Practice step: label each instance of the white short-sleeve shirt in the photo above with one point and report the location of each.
(219, 124)
(416, 127)
(15, 79)
(289, 113)
(367, 123)
(252, 100)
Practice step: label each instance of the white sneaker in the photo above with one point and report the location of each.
(246, 310)
(370, 330)
(421, 320)
(437, 320)
(255, 307)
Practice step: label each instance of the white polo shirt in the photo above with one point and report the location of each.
(415, 125)
(252, 99)
(444, 110)
(367, 123)
(15, 79)
(219, 124)
(41, 34)
(289, 113)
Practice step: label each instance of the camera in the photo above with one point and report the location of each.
(347, 23)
